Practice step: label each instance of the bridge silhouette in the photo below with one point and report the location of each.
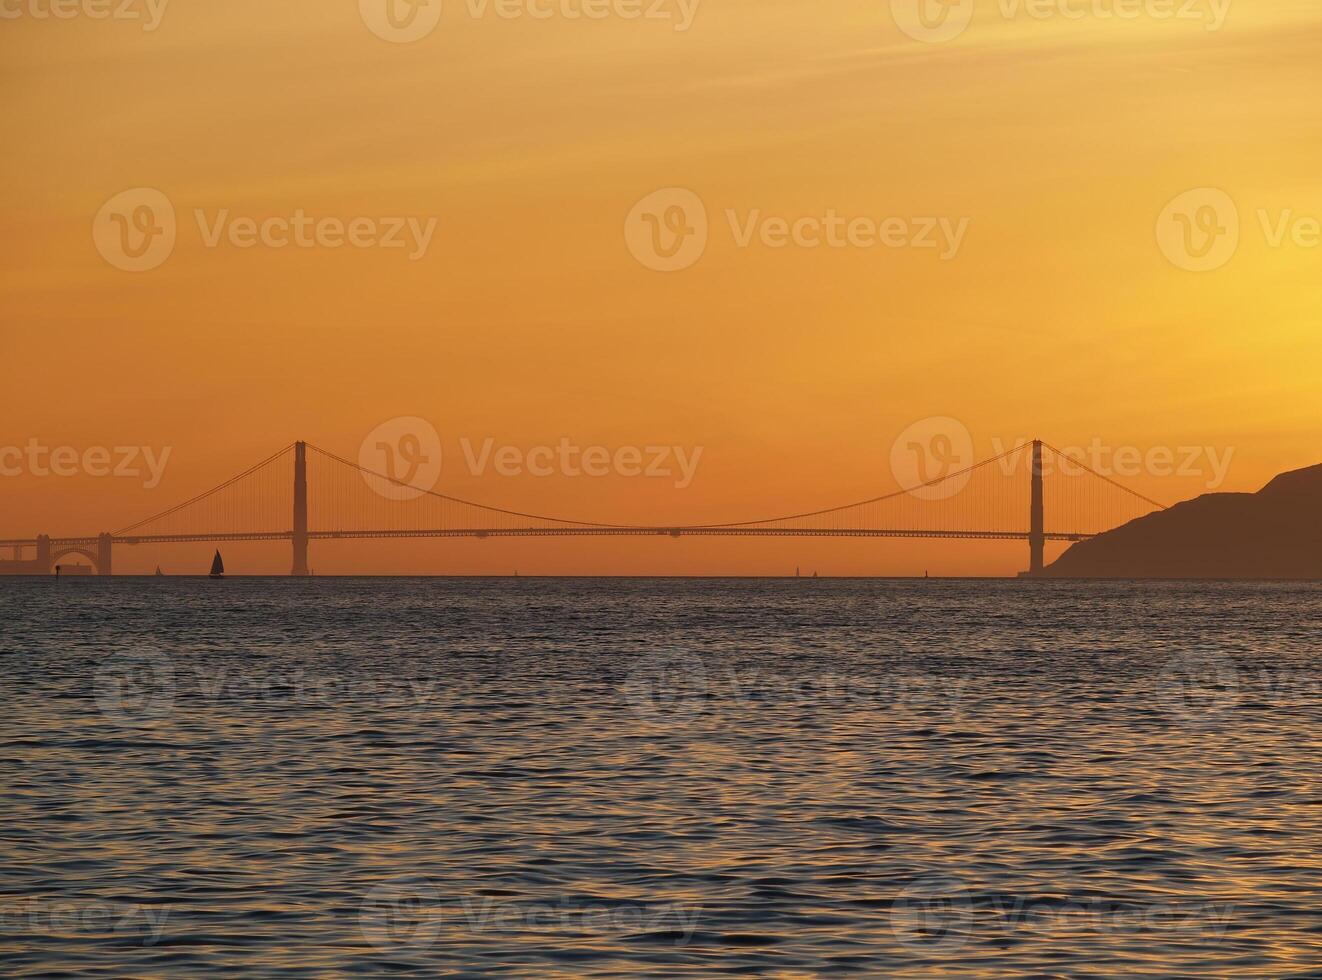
(303, 494)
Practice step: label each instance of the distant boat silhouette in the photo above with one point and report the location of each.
(159, 573)
(217, 566)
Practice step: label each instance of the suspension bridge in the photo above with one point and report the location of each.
(1032, 493)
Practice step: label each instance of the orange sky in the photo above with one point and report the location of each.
(527, 320)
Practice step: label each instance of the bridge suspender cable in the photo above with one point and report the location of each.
(876, 500)
(203, 496)
(465, 503)
(1120, 486)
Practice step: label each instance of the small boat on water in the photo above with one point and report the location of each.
(217, 566)
(159, 573)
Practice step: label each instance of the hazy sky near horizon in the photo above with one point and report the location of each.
(1055, 142)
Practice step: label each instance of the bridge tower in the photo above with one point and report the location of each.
(1036, 523)
(103, 563)
(43, 564)
(300, 510)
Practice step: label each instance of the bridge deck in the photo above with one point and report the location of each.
(532, 532)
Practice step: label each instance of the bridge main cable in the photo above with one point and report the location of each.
(670, 527)
(468, 503)
(876, 500)
(1101, 476)
(203, 496)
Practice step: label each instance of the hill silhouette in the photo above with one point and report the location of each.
(1274, 533)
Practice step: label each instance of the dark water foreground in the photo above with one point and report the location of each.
(601, 777)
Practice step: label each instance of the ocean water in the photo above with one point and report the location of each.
(568, 778)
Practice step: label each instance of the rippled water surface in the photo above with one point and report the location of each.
(614, 778)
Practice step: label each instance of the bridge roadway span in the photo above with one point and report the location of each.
(538, 532)
(99, 548)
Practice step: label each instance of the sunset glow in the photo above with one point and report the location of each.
(524, 318)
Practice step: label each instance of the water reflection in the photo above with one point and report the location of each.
(596, 778)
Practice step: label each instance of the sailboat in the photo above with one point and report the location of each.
(217, 566)
(159, 573)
